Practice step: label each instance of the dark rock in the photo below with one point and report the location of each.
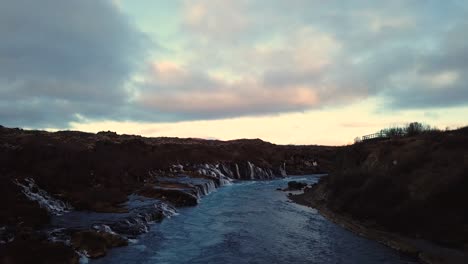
(96, 243)
(294, 185)
(36, 251)
(17, 210)
(98, 199)
(177, 197)
(138, 221)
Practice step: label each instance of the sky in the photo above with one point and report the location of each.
(288, 72)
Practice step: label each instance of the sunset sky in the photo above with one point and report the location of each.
(288, 72)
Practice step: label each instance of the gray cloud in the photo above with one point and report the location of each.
(60, 59)
(380, 43)
(175, 90)
(412, 54)
(65, 60)
(422, 75)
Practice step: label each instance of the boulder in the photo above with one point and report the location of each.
(294, 185)
(177, 197)
(96, 243)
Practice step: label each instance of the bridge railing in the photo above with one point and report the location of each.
(370, 136)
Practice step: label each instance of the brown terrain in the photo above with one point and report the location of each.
(409, 193)
(98, 172)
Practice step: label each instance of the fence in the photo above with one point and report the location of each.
(371, 136)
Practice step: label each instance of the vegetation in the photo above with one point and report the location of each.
(414, 186)
(412, 129)
(409, 130)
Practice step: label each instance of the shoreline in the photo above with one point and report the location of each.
(423, 251)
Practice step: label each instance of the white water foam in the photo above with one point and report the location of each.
(104, 228)
(167, 210)
(84, 257)
(132, 241)
(45, 200)
(214, 170)
(58, 235)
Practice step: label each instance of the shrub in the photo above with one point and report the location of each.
(411, 129)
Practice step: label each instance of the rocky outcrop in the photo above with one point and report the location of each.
(176, 196)
(197, 184)
(140, 213)
(44, 199)
(294, 185)
(34, 249)
(95, 244)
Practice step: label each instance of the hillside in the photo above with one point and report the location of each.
(412, 186)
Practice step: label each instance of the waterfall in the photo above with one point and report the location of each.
(283, 170)
(205, 188)
(237, 172)
(214, 171)
(251, 170)
(225, 174)
(138, 219)
(166, 209)
(211, 186)
(45, 200)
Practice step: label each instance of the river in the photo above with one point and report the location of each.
(251, 222)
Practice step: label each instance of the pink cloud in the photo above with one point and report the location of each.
(205, 95)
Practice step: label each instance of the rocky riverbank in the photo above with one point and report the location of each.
(69, 195)
(423, 250)
(407, 193)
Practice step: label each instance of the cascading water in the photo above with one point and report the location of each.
(213, 170)
(226, 174)
(166, 209)
(45, 200)
(205, 188)
(201, 185)
(251, 170)
(237, 172)
(142, 212)
(283, 170)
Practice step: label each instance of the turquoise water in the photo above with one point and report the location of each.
(251, 222)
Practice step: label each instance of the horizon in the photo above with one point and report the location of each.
(299, 73)
(357, 139)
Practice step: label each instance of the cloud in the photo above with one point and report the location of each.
(61, 59)
(220, 20)
(418, 76)
(175, 90)
(399, 50)
(283, 78)
(66, 61)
